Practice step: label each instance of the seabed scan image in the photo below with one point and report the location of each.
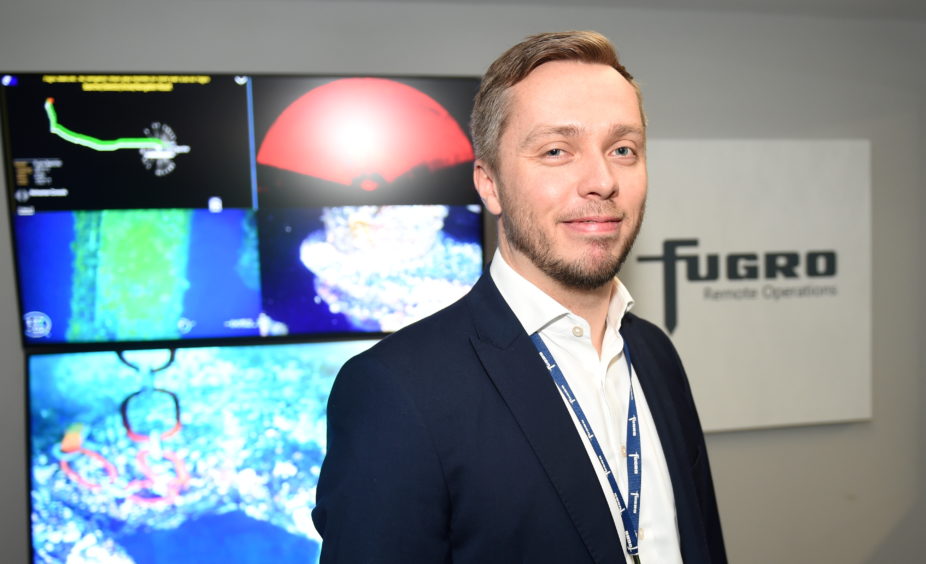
(138, 275)
(366, 268)
(162, 456)
(385, 267)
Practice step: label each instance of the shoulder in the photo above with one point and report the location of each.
(435, 362)
(639, 330)
(449, 327)
(416, 357)
(481, 314)
(654, 354)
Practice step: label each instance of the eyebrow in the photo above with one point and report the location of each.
(625, 130)
(616, 131)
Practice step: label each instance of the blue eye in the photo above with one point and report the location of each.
(624, 151)
(554, 152)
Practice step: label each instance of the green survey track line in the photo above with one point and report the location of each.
(93, 142)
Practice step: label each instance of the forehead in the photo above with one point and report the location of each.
(589, 96)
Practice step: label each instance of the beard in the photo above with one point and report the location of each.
(523, 233)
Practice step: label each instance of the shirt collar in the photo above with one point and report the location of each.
(535, 309)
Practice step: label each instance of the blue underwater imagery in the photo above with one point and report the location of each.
(194, 455)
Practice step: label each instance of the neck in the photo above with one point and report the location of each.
(589, 304)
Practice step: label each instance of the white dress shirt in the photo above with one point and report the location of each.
(602, 387)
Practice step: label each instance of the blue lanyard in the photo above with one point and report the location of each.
(631, 518)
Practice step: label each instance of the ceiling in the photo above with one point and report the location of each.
(914, 10)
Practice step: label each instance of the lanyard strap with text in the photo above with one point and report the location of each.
(631, 518)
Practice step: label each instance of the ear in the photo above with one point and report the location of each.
(487, 187)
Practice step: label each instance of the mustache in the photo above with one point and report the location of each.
(596, 209)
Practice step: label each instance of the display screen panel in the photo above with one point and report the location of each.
(363, 141)
(168, 207)
(129, 275)
(366, 268)
(160, 456)
(88, 141)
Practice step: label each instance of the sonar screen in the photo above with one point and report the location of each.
(363, 141)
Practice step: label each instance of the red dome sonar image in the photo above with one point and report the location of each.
(364, 132)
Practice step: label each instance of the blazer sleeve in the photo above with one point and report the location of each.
(704, 484)
(381, 493)
(671, 401)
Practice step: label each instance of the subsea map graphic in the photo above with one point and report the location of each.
(90, 142)
(157, 150)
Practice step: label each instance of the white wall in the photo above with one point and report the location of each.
(845, 494)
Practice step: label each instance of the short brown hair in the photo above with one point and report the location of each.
(491, 107)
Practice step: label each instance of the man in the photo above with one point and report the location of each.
(509, 427)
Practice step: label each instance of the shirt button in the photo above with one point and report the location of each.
(577, 331)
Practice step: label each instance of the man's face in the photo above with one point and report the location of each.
(571, 181)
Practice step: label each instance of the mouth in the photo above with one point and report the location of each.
(594, 224)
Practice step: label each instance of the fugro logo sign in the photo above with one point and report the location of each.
(745, 270)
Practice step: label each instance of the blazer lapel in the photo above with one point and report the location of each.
(512, 363)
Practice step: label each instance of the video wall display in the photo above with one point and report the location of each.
(166, 207)
(164, 456)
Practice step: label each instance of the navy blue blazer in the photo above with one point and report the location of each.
(449, 442)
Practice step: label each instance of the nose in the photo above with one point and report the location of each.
(598, 177)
